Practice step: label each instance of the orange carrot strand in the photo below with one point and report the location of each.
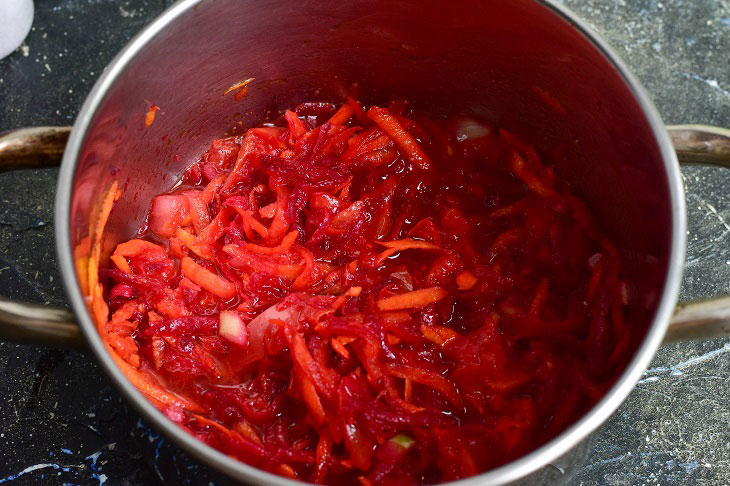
(405, 141)
(215, 284)
(412, 300)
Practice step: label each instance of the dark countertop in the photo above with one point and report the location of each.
(61, 422)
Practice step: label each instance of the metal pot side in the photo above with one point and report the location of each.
(530, 67)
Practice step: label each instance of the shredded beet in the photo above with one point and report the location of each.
(377, 296)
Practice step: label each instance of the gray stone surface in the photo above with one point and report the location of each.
(675, 426)
(62, 423)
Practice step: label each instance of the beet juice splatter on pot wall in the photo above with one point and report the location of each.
(378, 296)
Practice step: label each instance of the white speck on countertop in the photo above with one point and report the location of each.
(127, 13)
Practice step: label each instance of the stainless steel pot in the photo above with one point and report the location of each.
(531, 67)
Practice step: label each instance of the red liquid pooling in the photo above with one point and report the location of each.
(374, 297)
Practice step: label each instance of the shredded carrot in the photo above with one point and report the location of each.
(286, 243)
(197, 244)
(340, 301)
(357, 111)
(405, 141)
(384, 255)
(408, 243)
(251, 224)
(211, 423)
(215, 284)
(259, 228)
(121, 263)
(412, 300)
(246, 225)
(97, 230)
(268, 211)
(344, 191)
(118, 336)
(239, 85)
(248, 431)
(81, 263)
(407, 389)
(287, 471)
(323, 454)
(396, 317)
(352, 266)
(149, 386)
(121, 346)
(211, 233)
(353, 291)
(466, 280)
(305, 278)
(279, 224)
(212, 188)
(439, 334)
(342, 220)
(98, 307)
(186, 237)
(260, 264)
(392, 339)
(428, 378)
(137, 247)
(150, 116)
(339, 348)
(533, 182)
(342, 115)
(311, 399)
(504, 240)
(297, 128)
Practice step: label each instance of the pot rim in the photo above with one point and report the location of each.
(511, 471)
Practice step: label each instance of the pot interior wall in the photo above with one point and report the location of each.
(515, 63)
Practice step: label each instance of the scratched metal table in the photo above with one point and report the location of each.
(61, 422)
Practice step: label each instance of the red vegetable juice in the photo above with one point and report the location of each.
(371, 296)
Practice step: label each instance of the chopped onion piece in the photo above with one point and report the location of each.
(232, 328)
(469, 129)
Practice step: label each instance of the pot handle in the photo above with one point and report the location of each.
(32, 148)
(703, 318)
(22, 322)
(43, 147)
(701, 144)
